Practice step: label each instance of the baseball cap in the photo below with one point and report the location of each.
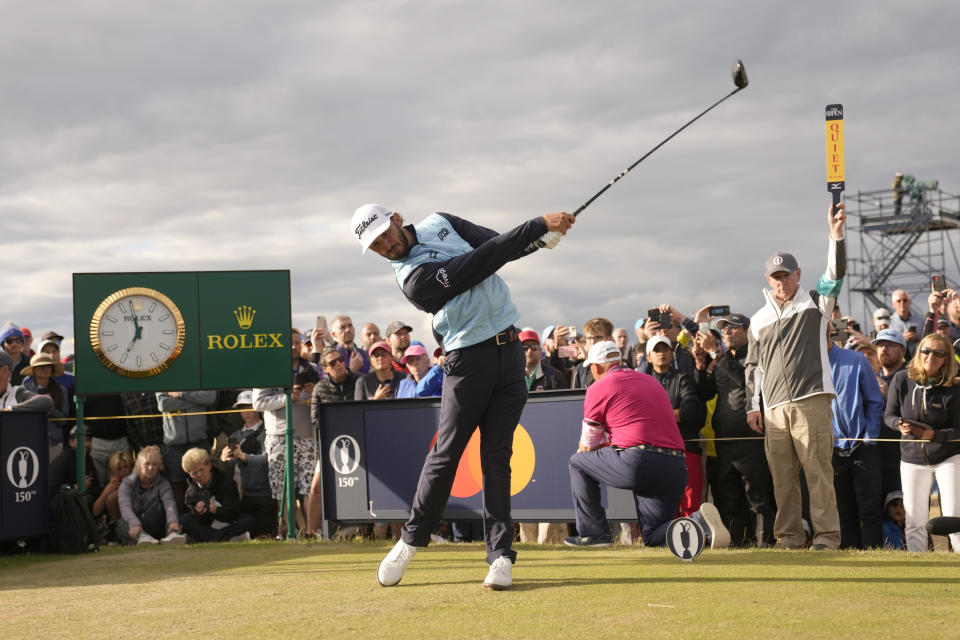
(890, 335)
(893, 495)
(639, 323)
(395, 326)
(780, 261)
(548, 331)
(52, 335)
(380, 345)
(943, 322)
(368, 222)
(881, 314)
(603, 352)
(655, 340)
(736, 319)
(245, 399)
(26, 332)
(529, 335)
(44, 343)
(413, 350)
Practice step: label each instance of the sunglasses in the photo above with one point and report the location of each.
(14, 339)
(940, 353)
(529, 347)
(335, 361)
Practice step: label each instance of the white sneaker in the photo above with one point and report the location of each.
(499, 577)
(174, 538)
(395, 563)
(243, 537)
(717, 535)
(145, 538)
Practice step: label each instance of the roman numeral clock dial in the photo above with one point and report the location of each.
(137, 332)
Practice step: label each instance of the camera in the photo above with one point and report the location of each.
(840, 328)
(660, 317)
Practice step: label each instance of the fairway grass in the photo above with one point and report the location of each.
(329, 590)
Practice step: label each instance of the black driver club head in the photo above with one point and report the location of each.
(740, 75)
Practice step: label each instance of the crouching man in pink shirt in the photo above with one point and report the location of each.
(630, 440)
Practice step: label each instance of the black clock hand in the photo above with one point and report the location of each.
(138, 330)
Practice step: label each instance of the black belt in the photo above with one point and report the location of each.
(676, 453)
(506, 336)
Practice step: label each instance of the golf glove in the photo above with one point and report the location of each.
(549, 240)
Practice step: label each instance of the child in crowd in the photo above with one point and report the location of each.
(107, 503)
(894, 521)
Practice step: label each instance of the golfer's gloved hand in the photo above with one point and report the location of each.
(549, 240)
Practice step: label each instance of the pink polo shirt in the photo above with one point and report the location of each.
(633, 409)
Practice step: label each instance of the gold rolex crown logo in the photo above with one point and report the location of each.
(244, 315)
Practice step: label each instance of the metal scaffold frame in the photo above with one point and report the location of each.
(905, 235)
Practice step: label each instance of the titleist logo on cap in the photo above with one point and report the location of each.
(363, 225)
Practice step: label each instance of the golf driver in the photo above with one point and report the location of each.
(739, 79)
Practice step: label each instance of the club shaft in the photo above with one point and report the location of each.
(644, 157)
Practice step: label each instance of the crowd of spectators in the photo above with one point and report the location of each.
(196, 478)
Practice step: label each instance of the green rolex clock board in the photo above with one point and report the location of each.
(163, 331)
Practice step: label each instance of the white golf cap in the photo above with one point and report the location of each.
(655, 340)
(603, 352)
(368, 222)
(245, 398)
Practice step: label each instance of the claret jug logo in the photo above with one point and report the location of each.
(244, 315)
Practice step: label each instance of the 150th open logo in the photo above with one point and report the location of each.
(345, 457)
(23, 467)
(244, 315)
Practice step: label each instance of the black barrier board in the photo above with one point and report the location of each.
(372, 453)
(24, 489)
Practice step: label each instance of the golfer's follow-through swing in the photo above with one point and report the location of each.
(447, 266)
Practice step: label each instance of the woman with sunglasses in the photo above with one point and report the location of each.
(923, 403)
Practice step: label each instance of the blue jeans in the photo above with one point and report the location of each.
(657, 482)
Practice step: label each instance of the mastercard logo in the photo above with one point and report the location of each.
(469, 479)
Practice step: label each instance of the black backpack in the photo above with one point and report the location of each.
(72, 527)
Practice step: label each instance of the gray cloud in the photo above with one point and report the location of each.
(203, 136)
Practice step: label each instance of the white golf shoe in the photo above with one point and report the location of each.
(395, 563)
(499, 577)
(717, 535)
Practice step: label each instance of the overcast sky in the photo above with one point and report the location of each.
(186, 136)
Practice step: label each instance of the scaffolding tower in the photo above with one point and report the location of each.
(906, 234)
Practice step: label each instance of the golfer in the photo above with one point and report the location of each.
(447, 266)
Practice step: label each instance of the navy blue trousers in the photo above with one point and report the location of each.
(483, 386)
(657, 482)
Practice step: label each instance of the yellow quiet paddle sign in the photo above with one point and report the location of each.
(836, 181)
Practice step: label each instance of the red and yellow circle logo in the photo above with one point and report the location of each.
(469, 479)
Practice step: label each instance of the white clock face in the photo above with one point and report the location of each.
(137, 332)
